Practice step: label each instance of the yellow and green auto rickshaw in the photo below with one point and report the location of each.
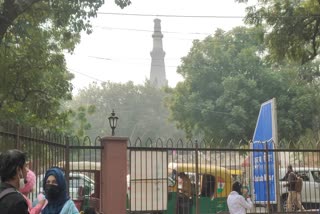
(214, 185)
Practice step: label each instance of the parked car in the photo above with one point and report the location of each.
(310, 193)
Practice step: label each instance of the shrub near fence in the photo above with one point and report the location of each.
(80, 159)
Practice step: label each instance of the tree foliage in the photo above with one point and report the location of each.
(140, 109)
(226, 80)
(77, 121)
(293, 28)
(34, 34)
(70, 17)
(34, 80)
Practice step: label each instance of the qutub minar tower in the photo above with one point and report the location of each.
(158, 72)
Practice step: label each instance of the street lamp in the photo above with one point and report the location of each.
(113, 119)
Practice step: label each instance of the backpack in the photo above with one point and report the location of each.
(7, 192)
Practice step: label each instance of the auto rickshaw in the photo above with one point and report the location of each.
(210, 187)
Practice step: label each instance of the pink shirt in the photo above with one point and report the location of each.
(33, 210)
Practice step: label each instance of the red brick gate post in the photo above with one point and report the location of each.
(113, 175)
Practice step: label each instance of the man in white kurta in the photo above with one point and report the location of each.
(237, 204)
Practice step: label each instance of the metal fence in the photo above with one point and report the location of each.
(212, 167)
(154, 166)
(80, 159)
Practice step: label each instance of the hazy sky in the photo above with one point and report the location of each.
(119, 48)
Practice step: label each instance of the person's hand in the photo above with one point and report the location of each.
(42, 201)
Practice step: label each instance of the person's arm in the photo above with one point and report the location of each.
(69, 208)
(246, 203)
(74, 209)
(37, 209)
(285, 177)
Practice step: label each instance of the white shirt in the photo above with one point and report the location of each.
(237, 204)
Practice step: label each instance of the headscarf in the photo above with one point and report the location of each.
(54, 207)
(31, 180)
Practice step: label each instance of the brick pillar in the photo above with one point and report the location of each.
(113, 175)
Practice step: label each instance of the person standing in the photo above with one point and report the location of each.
(237, 204)
(28, 188)
(13, 171)
(291, 184)
(55, 189)
(298, 188)
(184, 194)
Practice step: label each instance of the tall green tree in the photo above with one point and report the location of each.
(34, 79)
(227, 79)
(34, 34)
(67, 16)
(140, 108)
(293, 28)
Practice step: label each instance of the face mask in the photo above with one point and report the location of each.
(22, 182)
(52, 192)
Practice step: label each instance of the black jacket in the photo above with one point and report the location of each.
(12, 203)
(292, 179)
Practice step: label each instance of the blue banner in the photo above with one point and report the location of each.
(263, 139)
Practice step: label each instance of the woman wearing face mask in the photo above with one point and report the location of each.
(28, 188)
(55, 189)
